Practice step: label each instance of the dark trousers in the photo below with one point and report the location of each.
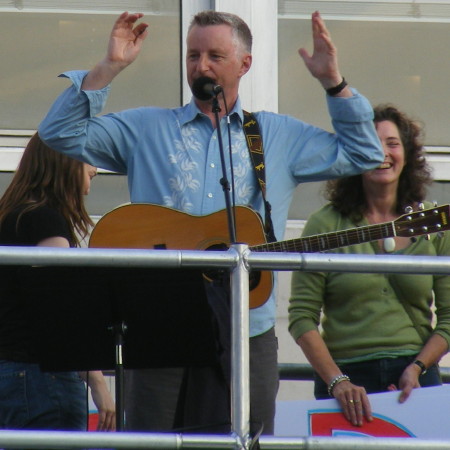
(376, 375)
(205, 393)
(202, 403)
(151, 397)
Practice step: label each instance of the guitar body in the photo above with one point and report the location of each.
(141, 225)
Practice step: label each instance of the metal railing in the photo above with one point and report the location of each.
(238, 260)
(124, 440)
(304, 372)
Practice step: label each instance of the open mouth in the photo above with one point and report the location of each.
(385, 165)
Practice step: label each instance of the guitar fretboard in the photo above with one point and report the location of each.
(329, 241)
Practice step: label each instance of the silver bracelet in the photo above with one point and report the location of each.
(335, 381)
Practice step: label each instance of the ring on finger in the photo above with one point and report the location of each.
(356, 401)
(351, 401)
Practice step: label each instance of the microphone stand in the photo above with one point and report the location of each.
(224, 180)
(239, 319)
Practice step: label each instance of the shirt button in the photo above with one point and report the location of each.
(210, 195)
(214, 137)
(212, 165)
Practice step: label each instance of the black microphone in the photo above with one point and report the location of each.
(205, 88)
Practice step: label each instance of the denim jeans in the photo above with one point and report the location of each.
(35, 400)
(376, 375)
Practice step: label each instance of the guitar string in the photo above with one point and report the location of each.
(331, 240)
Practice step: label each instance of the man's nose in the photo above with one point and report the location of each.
(203, 64)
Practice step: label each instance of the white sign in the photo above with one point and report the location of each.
(425, 415)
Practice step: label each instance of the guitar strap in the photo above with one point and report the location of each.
(255, 146)
(408, 308)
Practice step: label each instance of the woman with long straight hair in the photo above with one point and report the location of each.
(43, 206)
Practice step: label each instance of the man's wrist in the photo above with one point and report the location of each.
(101, 75)
(332, 91)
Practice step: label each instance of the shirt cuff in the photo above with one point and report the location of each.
(350, 109)
(97, 99)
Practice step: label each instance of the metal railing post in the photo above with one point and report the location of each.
(240, 352)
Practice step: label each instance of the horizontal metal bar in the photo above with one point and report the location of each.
(100, 440)
(109, 257)
(304, 372)
(82, 440)
(331, 262)
(338, 443)
(226, 259)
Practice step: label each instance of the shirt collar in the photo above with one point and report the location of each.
(191, 111)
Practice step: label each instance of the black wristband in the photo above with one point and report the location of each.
(335, 90)
(423, 369)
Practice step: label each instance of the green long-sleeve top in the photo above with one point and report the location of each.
(362, 315)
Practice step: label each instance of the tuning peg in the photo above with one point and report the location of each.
(408, 210)
(421, 206)
(435, 203)
(427, 237)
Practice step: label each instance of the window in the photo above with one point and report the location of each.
(39, 43)
(43, 38)
(391, 51)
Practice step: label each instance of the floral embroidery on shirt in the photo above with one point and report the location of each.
(185, 168)
(186, 160)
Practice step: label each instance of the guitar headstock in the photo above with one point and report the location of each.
(424, 221)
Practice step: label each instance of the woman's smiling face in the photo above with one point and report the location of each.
(394, 155)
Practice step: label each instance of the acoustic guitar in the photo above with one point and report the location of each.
(142, 225)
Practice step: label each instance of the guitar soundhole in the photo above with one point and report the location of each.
(219, 274)
(254, 279)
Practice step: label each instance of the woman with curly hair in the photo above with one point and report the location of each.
(377, 332)
(43, 206)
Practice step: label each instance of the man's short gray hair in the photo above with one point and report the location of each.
(240, 29)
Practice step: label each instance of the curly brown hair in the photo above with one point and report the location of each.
(347, 194)
(46, 177)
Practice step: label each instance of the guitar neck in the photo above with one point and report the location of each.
(329, 241)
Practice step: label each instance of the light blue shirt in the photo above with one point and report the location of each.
(171, 156)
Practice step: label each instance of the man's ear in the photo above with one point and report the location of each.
(246, 64)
